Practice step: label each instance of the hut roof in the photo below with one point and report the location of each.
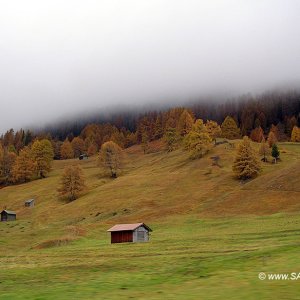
(29, 201)
(215, 157)
(9, 212)
(124, 227)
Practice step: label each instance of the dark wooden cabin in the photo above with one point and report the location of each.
(83, 156)
(129, 233)
(8, 215)
(29, 203)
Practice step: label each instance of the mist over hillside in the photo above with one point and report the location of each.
(278, 105)
(63, 59)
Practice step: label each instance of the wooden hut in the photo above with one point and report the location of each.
(29, 203)
(8, 215)
(129, 233)
(83, 156)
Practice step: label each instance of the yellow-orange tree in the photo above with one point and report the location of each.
(295, 134)
(171, 139)
(185, 123)
(92, 150)
(66, 150)
(42, 154)
(264, 149)
(110, 158)
(7, 160)
(246, 164)
(1, 160)
(213, 129)
(72, 183)
(23, 168)
(229, 129)
(257, 134)
(78, 146)
(272, 139)
(197, 141)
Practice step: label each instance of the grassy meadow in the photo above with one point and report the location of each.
(212, 234)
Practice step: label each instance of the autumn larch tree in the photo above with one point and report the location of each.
(145, 142)
(290, 124)
(1, 161)
(171, 139)
(246, 165)
(158, 128)
(78, 146)
(143, 127)
(257, 134)
(8, 138)
(295, 137)
(42, 154)
(264, 149)
(72, 183)
(213, 129)
(185, 123)
(23, 168)
(131, 139)
(170, 121)
(119, 138)
(92, 150)
(66, 150)
(110, 157)
(56, 144)
(275, 152)
(272, 139)
(229, 129)
(6, 165)
(197, 141)
(275, 130)
(18, 141)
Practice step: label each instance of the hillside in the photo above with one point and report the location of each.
(207, 226)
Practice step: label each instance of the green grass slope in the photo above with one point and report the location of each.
(211, 237)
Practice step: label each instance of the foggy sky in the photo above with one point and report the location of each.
(59, 58)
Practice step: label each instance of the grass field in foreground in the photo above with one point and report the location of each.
(210, 238)
(187, 258)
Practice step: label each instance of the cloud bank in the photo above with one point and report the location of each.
(58, 58)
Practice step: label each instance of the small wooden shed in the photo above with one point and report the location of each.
(8, 215)
(83, 156)
(29, 203)
(130, 233)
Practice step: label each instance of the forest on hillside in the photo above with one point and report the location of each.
(271, 116)
(278, 108)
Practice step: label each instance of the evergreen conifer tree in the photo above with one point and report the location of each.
(275, 152)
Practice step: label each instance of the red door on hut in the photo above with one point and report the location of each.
(121, 236)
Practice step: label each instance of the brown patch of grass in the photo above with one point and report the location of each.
(73, 230)
(63, 241)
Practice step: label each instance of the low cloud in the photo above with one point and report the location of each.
(60, 58)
